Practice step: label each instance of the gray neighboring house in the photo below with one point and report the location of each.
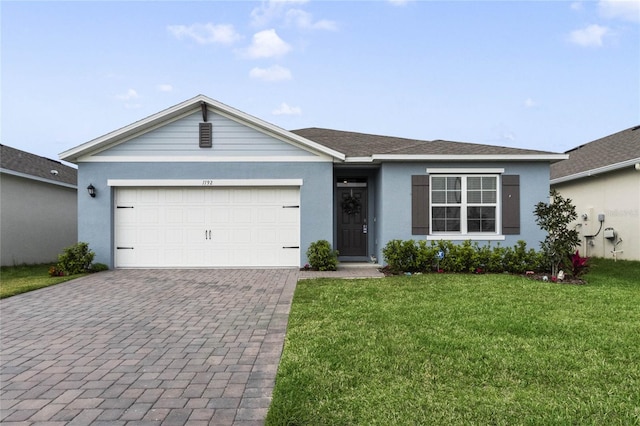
(202, 184)
(602, 179)
(38, 207)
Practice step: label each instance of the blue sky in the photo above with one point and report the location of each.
(547, 75)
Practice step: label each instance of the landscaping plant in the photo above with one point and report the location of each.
(76, 259)
(322, 257)
(555, 217)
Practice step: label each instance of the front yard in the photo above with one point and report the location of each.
(21, 279)
(463, 349)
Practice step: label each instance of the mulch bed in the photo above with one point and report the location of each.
(535, 276)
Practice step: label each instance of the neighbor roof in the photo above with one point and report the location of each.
(610, 153)
(376, 147)
(20, 163)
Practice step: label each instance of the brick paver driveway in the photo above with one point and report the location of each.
(145, 347)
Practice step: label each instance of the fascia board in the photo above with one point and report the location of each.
(37, 178)
(176, 111)
(596, 171)
(510, 157)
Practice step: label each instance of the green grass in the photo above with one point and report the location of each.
(463, 349)
(21, 279)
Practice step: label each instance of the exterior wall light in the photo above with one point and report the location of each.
(92, 190)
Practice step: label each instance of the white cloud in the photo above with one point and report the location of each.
(576, 5)
(129, 95)
(627, 10)
(530, 103)
(589, 36)
(285, 109)
(165, 87)
(270, 10)
(274, 10)
(274, 73)
(206, 33)
(267, 44)
(398, 2)
(304, 20)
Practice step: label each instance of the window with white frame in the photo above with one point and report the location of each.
(464, 204)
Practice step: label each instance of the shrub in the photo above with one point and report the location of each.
(561, 239)
(322, 257)
(579, 265)
(75, 259)
(98, 267)
(409, 256)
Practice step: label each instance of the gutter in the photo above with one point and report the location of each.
(597, 171)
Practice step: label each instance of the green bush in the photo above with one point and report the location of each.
(75, 259)
(322, 257)
(98, 267)
(409, 256)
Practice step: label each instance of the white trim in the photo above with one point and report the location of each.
(447, 157)
(597, 171)
(205, 183)
(460, 237)
(196, 159)
(445, 170)
(37, 178)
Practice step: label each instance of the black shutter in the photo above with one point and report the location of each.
(419, 204)
(511, 204)
(206, 135)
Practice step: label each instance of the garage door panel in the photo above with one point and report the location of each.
(205, 227)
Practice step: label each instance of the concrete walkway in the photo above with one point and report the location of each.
(145, 347)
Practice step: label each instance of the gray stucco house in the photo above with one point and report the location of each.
(38, 207)
(202, 184)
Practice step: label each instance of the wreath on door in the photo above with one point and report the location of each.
(351, 205)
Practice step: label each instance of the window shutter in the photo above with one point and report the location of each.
(419, 204)
(206, 135)
(511, 204)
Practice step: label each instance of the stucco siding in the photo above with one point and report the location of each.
(96, 222)
(181, 138)
(394, 212)
(37, 220)
(617, 196)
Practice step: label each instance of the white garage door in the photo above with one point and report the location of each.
(207, 227)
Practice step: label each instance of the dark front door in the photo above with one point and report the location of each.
(351, 215)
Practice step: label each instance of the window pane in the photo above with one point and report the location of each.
(489, 196)
(438, 197)
(438, 183)
(489, 183)
(481, 219)
(445, 219)
(454, 197)
(474, 182)
(474, 197)
(454, 183)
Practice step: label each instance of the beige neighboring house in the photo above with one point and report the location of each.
(38, 207)
(602, 178)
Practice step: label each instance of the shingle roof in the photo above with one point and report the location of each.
(30, 164)
(361, 145)
(608, 151)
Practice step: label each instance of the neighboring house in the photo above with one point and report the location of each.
(602, 179)
(38, 208)
(202, 184)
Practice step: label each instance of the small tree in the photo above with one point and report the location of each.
(555, 218)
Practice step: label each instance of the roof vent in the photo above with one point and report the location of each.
(206, 135)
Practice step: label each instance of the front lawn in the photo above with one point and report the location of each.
(463, 349)
(20, 279)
